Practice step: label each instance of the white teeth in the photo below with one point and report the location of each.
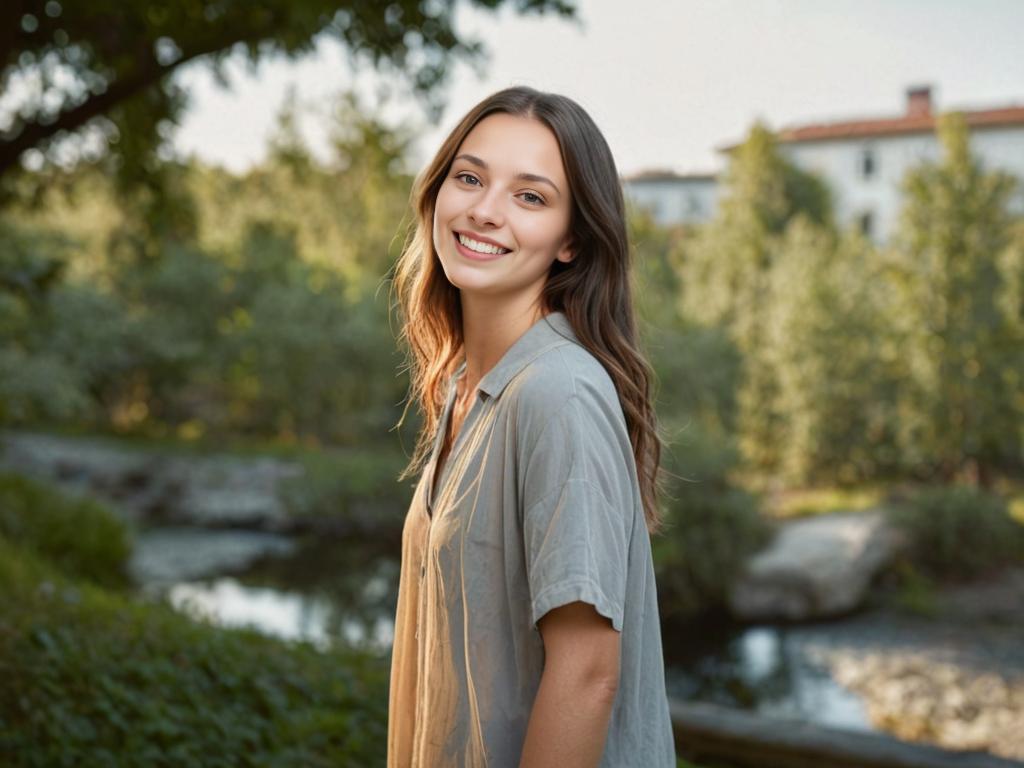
(473, 245)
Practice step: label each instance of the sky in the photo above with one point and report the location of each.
(668, 83)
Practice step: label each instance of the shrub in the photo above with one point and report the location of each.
(99, 677)
(712, 529)
(959, 532)
(94, 678)
(356, 488)
(82, 538)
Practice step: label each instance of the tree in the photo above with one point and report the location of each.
(959, 271)
(725, 268)
(344, 213)
(727, 272)
(712, 528)
(269, 321)
(835, 357)
(102, 68)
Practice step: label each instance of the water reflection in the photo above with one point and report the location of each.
(330, 592)
(287, 614)
(324, 592)
(765, 669)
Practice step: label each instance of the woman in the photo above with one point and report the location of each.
(527, 628)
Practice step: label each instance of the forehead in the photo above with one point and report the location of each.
(516, 145)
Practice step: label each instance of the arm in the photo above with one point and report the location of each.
(569, 721)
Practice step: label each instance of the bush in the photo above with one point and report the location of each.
(356, 488)
(711, 531)
(94, 677)
(80, 537)
(959, 532)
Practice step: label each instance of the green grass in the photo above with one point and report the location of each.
(806, 502)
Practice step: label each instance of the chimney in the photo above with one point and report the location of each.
(919, 101)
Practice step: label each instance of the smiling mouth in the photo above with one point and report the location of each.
(473, 253)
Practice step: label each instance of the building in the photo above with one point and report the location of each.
(863, 161)
(673, 198)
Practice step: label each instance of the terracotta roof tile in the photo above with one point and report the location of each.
(986, 118)
(896, 126)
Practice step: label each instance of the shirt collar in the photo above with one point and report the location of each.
(550, 331)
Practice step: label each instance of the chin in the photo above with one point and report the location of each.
(465, 282)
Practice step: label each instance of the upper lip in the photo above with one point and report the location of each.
(480, 238)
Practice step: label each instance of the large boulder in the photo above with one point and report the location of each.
(815, 567)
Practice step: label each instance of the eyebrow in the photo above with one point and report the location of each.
(524, 176)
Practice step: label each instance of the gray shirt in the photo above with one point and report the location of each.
(537, 506)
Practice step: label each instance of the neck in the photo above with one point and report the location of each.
(488, 330)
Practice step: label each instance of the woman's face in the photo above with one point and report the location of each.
(502, 213)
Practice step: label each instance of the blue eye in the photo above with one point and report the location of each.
(467, 175)
(539, 199)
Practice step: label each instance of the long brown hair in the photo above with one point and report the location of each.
(594, 290)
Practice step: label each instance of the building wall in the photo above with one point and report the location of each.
(858, 193)
(870, 200)
(1003, 149)
(673, 201)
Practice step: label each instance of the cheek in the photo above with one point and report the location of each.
(447, 201)
(542, 231)
(442, 213)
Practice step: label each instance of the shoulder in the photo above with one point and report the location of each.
(566, 381)
(570, 430)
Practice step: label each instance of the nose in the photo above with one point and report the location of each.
(486, 209)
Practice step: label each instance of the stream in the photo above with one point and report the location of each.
(957, 682)
(332, 592)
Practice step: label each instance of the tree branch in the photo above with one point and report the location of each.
(149, 73)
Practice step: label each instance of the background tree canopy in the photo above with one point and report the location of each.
(98, 72)
(864, 361)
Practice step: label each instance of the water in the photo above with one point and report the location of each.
(285, 613)
(335, 592)
(765, 669)
(318, 592)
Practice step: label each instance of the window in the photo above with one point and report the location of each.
(866, 222)
(867, 162)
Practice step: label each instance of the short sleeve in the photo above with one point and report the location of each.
(577, 513)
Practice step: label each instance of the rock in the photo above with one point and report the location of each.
(918, 697)
(815, 567)
(81, 467)
(229, 492)
(148, 487)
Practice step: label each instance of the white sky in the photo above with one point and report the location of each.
(667, 82)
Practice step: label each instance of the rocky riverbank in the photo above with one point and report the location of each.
(954, 679)
(219, 491)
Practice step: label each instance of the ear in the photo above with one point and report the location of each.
(567, 252)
